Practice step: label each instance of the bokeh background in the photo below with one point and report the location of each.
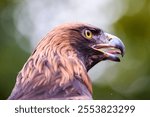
(24, 22)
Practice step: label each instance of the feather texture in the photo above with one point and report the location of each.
(57, 68)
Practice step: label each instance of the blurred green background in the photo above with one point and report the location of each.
(129, 79)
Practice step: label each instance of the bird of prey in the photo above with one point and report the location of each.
(57, 68)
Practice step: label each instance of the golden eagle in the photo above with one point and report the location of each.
(57, 68)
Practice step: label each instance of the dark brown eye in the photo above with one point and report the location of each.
(88, 34)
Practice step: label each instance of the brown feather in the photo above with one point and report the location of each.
(57, 68)
(54, 71)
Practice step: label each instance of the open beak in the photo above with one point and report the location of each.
(112, 48)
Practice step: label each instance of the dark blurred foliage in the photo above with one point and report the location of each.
(12, 57)
(132, 79)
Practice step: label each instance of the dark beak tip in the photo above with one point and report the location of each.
(122, 50)
(122, 54)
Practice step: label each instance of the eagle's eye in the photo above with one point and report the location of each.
(88, 34)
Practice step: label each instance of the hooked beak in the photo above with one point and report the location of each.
(111, 49)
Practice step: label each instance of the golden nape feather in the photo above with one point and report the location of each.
(57, 68)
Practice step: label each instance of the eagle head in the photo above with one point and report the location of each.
(57, 68)
(93, 44)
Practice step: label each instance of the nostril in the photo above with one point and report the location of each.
(109, 39)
